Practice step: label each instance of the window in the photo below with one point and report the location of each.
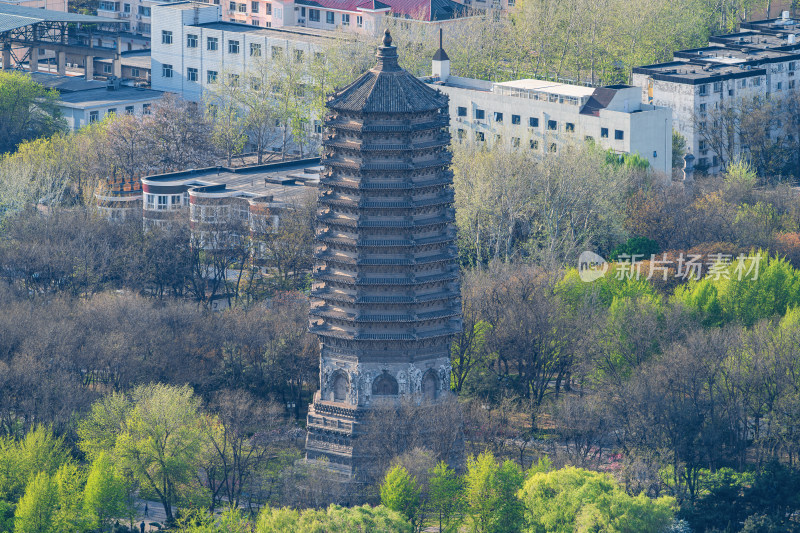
(515, 142)
(233, 79)
(703, 89)
(619, 135)
(254, 6)
(313, 15)
(779, 86)
(129, 110)
(242, 8)
(533, 144)
(359, 21)
(511, 3)
(717, 86)
(106, 68)
(345, 19)
(232, 6)
(127, 8)
(166, 37)
(317, 126)
(552, 125)
(233, 47)
(166, 71)
(498, 117)
(701, 145)
(176, 201)
(162, 201)
(533, 122)
(498, 138)
(144, 11)
(702, 109)
(462, 111)
(255, 50)
(191, 74)
(211, 76)
(298, 56)
(134, 73)
(756, 82)
(479, 136)
(792, 66)
(145, 109)
(212, 43)
(254, 22)
(570, 127)
(480, 114)
(589, 139)
(329, 17)
(112, 111)
(191, 40)
(604, 133)
(277, 52)
(150, 200)
(269, 9)
(791, 84)
(515, 119)
(461, 134)
(553, 148)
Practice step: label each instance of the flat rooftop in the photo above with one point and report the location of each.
(732, 55)
(66, 84)
(752, 39)
(778, 25)
(285, 181)
(105, 97)
(289, 34)
(550, 87)
(13, 17)
(696, 71)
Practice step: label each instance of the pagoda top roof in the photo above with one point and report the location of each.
(387, 88)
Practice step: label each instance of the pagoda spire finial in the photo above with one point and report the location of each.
(387, 38)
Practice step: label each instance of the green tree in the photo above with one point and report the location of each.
(573, 499)
(157, 433)
(35, 510)
(229, 521)
(38, 451)
(106, 493)
(334, 519)
(69, 514)
(445, 494)
(400, 492)
(28, 110)
(491, 495)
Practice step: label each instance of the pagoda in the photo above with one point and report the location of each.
(386, 295)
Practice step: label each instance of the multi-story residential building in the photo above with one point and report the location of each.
(362, 16)
(53, 5)
(192, 47)
(762, 60)
(543, 115)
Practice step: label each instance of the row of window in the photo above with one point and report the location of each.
(94, 116)
(533, 122)
(234, 46)
(255, 7)
(315, 15)
(164, 202)
(533, 143)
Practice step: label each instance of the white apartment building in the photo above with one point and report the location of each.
(191, 46)
(762, 60)
(542, 115)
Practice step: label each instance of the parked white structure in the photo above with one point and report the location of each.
(191, 46)
(544, 115)
(761, 60)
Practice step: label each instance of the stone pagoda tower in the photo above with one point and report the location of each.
(386, 296)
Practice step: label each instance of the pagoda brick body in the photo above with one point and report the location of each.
(386, 295)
